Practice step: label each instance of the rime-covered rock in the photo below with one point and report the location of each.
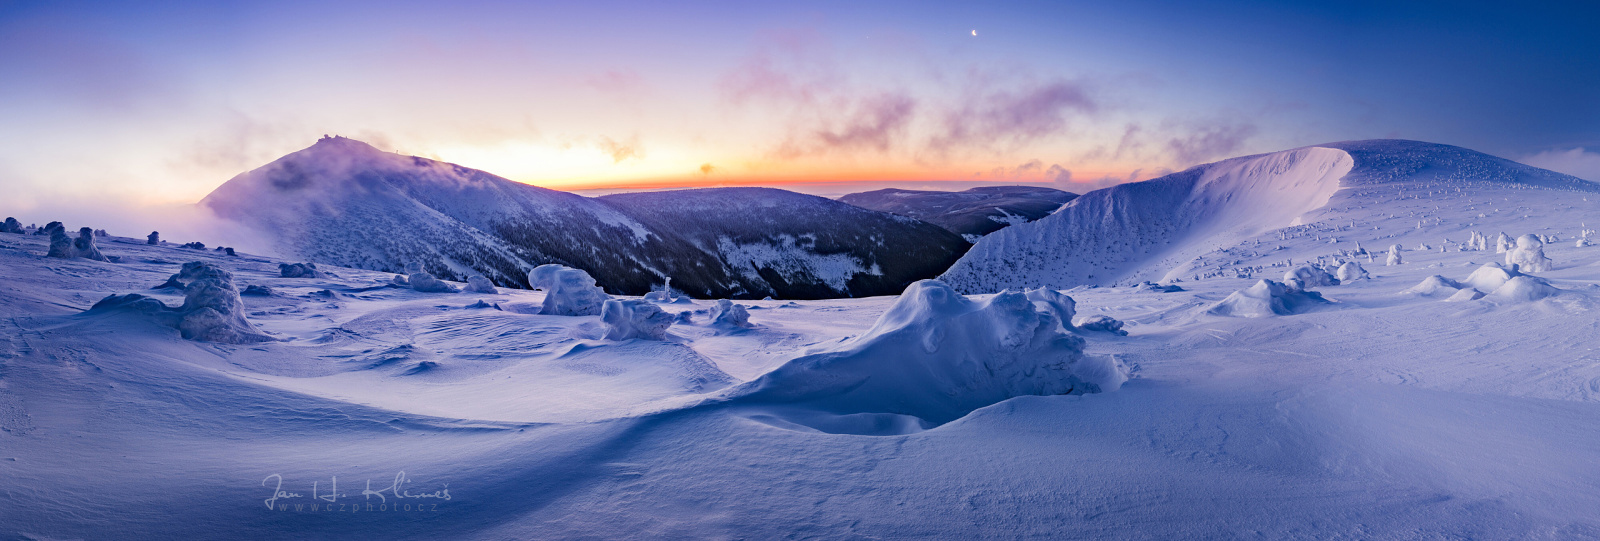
(1101, 323)
(1309, 276)
(568, 291)
(630, 319)
(153, 239)
(727, 314)
(1053, 302)
(298, 270)
(1350, 271)
(85, 247)
(478, 284)
(425, 282)
(11, 226)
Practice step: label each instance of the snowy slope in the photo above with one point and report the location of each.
(796, 246)
(1226, 217)
(971, 213)
(343, 202)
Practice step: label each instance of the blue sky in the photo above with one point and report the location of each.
(162, 103)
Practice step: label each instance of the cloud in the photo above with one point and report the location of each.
(1013, 116)
(1578, 162)
(620, 150)
(874, 124)
(707, 168)
(1200, 142)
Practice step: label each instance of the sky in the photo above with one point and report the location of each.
(158, 104)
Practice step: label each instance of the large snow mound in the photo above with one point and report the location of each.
(1152, 230)
(937, 355)
(630, 319)
(1267, 298)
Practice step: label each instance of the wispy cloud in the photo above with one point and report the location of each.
(1578, 162)
(620, 150)
(1199, 142)
(1013, 116)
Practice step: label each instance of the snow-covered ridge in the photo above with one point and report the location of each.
(343, 202)
(1229, 216)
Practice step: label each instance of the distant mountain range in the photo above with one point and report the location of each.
(346, 203)
(972, 213)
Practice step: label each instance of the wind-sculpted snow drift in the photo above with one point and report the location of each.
(1266, 299)
(937, 355)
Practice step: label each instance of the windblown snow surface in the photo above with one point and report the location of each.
(1380, 414)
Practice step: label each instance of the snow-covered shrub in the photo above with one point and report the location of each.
(568, 291)
(1054, 303)
(937, 355)
(1502, 244)
(727, 314)
(1267, 298)
(477, 283)
(1394, 256)
(1528, 255)
(1351, 271)
(629, 319)
(211, 312)
(400, 280)
(65, 247)
(11, 226)
(425, 282)
(1100, 323)
(1309, 276)
(298, 270)
(153, 239)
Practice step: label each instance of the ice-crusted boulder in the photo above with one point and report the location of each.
(298, 270)
(937, 355)
(568, 291)
(11, 226)
(1101, 323)
(1053, 302)
(211, 312)
(630, 319)
(1267, 298)
(1350, 271)
(727, 314)
(1159, 288)
(478, 284)
(1528, 255)
(1434, 286)
(425, 282)
(1394, 256)
(1309, 276)
(400, 280)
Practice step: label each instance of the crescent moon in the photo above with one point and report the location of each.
(974, 32)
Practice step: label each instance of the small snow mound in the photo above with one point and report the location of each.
(1351, 271)
(630, 319)
(1468, 294)
(1103, 324)
(568, 291)
(1309, 276)
(1528, 255)
(1267, 298)
(477, 283)
(298, 270)
(257, 291)
(1434, 286)
(1490, 276)
(938, 355)
(727, 314)
(1054, 303)
(1523, 288)
(1158, 288)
